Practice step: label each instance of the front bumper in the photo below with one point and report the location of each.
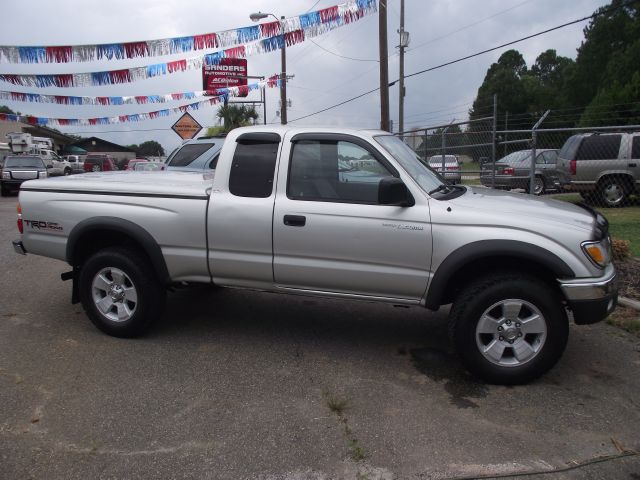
(591, 300)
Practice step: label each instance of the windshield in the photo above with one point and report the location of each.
(29, 162)
(423, 175)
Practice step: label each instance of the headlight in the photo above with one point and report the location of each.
(43, 174)
(598, 252)
(6, 175)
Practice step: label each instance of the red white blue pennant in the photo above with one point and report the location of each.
(308, 25)
(272, 82)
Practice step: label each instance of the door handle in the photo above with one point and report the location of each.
(295, 220)
(633, 165)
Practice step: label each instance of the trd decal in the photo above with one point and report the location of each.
(40, 225)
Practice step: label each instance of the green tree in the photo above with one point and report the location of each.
(150, 148)
(234, 116)
(605, 35)
(5, 109)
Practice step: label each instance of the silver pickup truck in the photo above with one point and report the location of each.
(283, 213)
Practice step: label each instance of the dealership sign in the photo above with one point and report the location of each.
(230, 72)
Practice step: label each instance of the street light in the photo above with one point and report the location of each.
(256, 17)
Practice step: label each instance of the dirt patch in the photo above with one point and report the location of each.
(629, 277)
(625, 318)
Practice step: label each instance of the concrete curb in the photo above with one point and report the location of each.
(627, 302)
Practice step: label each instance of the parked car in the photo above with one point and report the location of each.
(196, 155)
(277, 217)
(97, 162)
(132, 163)
(451, 170)
(19, 168)
(76, 163)
(149, 167)
(604, 167)
(514, 171)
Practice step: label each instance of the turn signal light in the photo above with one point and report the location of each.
(20, 226)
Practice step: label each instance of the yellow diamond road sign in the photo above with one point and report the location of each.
(186, 127)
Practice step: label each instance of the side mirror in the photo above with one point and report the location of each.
(49, 165)
(393, 191)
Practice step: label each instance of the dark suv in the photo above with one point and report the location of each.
(19, 168)
(604, 167)
(99, 163)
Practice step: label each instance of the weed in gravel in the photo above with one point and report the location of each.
(337, 405)
(625, 318)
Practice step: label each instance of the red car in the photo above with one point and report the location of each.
(99, 163)
(132, 163)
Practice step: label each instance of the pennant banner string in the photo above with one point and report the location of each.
(271, 82)
(78, 100)
(311, 23)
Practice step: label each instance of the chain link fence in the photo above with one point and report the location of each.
(600, 165)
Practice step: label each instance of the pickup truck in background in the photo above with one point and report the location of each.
(278, 214)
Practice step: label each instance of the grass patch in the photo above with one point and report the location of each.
(624, 223)
(626, 318)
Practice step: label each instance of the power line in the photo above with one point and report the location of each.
(433, 40)
(442, 65)
(342, 56)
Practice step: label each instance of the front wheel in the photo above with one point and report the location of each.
(67, 172)
(508, 329)
(120, 292)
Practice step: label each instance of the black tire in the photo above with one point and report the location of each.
(139, 275)
(3, 191)
(67, 172)
(613, 192)
(474, 301)
(539, 186)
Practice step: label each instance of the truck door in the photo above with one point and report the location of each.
(331, 235)
(240, 212)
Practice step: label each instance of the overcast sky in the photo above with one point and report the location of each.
(441, 30)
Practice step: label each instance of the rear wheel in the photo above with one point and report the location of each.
(4, 191)
(67, 171)
(508, 329)
(538, 186)
(96, 168)
(120, 292)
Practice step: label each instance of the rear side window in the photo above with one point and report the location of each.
(550, 157)
(635, 148)
(189, 153)
(253, 167)
(599, 147)
(568, 150)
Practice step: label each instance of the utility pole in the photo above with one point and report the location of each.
(404, 42)
(384, 66)
(283, 76)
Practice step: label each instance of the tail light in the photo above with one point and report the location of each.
(20, 226)
(453, 168)
(508, 171)
(572, 167)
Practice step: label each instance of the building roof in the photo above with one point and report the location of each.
(95, 144)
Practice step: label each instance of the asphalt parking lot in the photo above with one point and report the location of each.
(232, 384)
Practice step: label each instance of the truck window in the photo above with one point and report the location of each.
(599, 147)
(334, 171)
(252, 170)
(188, 154)
(635, 148)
